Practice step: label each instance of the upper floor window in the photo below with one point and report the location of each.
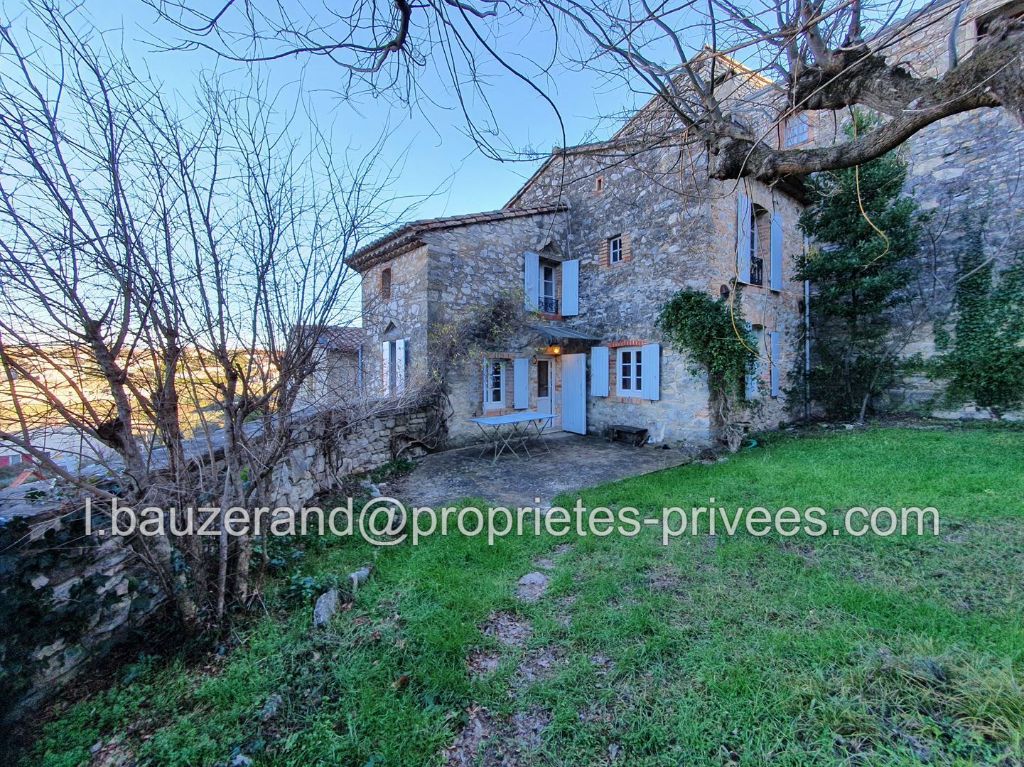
(599, 184)
(385, 284)
(631, 371)
(615, 253)
(797, 129)
(547, 298)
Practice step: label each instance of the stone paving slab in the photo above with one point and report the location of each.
(574, 463)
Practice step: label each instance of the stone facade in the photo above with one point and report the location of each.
(676, 229)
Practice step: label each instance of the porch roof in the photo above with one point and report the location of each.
(562, 333)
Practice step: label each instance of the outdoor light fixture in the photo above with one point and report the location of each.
(554, 350)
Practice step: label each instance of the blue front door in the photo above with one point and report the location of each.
(574, 393)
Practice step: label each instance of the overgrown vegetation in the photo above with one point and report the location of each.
(718, 344)
(866, 233)
(983, 358)
(782, 651)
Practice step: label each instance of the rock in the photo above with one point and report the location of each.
(532, 586)
(240, 760)
(325, 608)
(360, 576)
(271, 707)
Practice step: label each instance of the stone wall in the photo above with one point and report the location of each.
(67, 599)
(965, 171)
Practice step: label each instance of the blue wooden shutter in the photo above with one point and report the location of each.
(743, 238)
(531, 280)
(570, 288)
(521, 383)
(599, 371)
(775, 274)
(775, 343)
(650, 385)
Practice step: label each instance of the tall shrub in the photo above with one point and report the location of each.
(865, 232)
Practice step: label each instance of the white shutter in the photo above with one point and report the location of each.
(531, 280)
(650, 384)
(400, 347)
(521, 383)
(599, 371)
(775, 267)
(743, 238)
(775, 345)
(570, 288)
(385, 367)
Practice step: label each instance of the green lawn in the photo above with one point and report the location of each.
(738, 650)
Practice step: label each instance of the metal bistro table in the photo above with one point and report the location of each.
(509, 433)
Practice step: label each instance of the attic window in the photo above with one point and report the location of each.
(599, 184)
(385, 284)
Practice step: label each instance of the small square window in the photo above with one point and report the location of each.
(615, 249)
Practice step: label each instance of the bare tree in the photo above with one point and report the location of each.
(795, 54)
(166, 279)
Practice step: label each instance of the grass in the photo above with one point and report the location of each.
(740, 650)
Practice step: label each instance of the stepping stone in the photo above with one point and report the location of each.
(532, 586)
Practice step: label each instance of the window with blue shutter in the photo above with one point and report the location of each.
(743, 238)
(775, 267)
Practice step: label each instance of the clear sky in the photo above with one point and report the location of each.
(433, 158)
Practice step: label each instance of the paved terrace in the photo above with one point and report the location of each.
(574, 463)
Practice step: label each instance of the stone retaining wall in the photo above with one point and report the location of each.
(67, 599)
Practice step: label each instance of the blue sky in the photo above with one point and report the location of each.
(434, 160)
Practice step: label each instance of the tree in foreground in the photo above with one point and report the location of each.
(166, 278)
(804, 54)
(865, 235)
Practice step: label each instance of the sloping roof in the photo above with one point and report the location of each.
(408, 236)
(341, 338)
(561, 333)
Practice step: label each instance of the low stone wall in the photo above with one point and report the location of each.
(336, 444)
(67, 598)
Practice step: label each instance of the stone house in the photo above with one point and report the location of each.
(603, 234)
(592, 246)
(338, 376)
